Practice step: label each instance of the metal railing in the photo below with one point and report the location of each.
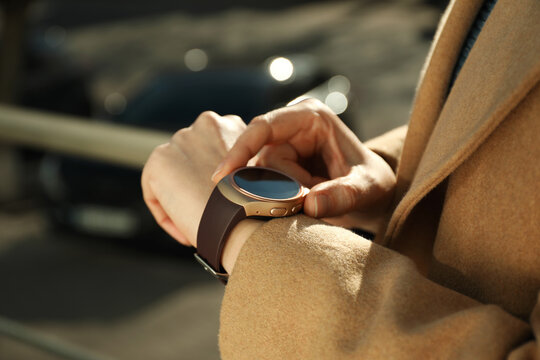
(119, 144)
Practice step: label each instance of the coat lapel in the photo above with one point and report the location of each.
(502, 67)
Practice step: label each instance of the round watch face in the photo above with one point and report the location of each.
(266, 183)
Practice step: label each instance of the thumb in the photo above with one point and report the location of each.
(336, 197)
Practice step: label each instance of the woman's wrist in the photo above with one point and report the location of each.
(239, 235)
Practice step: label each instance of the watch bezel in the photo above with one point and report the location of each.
(258, 197)
(259, 206)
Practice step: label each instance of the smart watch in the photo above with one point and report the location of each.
(248, 192)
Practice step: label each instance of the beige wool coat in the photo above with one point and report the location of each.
(455, 274)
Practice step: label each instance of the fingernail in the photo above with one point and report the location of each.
(321, 205)
(218, 169)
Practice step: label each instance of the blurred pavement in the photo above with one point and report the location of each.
(111, 299)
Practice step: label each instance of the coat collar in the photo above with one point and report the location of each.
(502, 67)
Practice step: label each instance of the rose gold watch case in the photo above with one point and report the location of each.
(260, 206)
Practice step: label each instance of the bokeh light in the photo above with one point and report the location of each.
(115, 103)
(337, 101)
(281, 69)
(196, 59)
(339, 83)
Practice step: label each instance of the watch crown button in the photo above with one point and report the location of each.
(278, 211)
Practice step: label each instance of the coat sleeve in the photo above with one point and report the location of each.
(302, 289)
(389, 145)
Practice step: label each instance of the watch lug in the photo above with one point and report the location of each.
(223, 277)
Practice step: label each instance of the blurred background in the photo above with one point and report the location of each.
(84, 271)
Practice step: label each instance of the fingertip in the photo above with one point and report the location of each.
(317, 205)
(216, 176)
(323, 205)
(221, 173)
(310, 206)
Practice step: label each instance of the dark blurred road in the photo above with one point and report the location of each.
(115, 300)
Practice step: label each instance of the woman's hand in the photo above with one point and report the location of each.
(176, 178)
(309, 142)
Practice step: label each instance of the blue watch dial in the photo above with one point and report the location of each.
(266, 183)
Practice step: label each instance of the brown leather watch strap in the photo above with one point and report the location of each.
(218, 219)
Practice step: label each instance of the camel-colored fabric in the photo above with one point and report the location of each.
(456, 273)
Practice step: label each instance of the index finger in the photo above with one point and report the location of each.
(274, 127)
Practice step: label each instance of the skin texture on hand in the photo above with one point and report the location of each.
(176, 180)
(309, 142)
